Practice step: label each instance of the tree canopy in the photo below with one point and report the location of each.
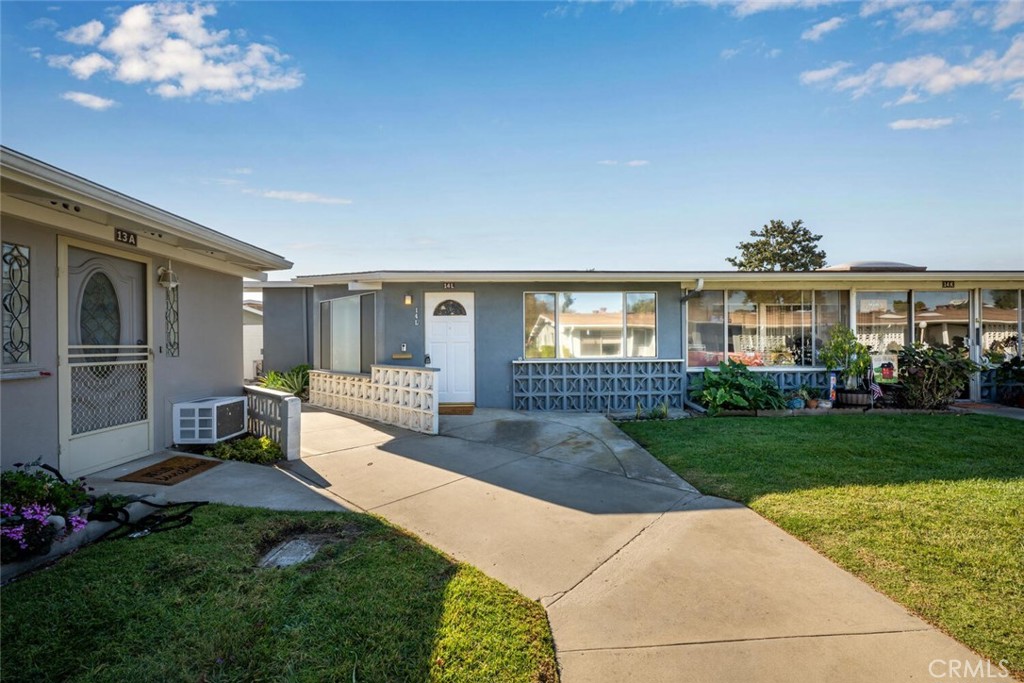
(781, 247)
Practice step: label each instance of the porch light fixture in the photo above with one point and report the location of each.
(408, 299)
(166, 278)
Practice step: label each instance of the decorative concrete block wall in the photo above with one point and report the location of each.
(396, 395)
(276, 415)
(597, 385)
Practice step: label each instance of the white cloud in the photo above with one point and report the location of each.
(620, 6)
(34, 52)
(920, 124)
(240, 171)
(82, 68)
(607, 162)
(89, 101)
(747, 7)
(931, 74)
(298, 196)
(169, 46)
(729, 53)
(822, 75)
(925, 19)
(816, 32)
(773, 53)
(86, 34)
(43, 24)
(1008, 13)
(872, 7)
(908, 98)
(638, 162)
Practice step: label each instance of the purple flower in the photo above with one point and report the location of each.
(78, 523)
(6, 510)
(37, 513)
(15, 533)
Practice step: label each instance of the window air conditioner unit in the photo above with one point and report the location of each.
(209, 420)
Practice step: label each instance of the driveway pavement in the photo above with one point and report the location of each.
(643, 577)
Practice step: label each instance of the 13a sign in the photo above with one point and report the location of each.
(125, 237)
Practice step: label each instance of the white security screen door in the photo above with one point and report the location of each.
(451, 344)
(105, 373)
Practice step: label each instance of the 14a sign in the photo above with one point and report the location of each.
(125, 237)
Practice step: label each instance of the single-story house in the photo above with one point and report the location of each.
(113, 310)
(608, 340)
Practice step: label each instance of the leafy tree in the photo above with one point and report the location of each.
(780, 247)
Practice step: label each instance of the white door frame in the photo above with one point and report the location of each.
(468, 299)
(64, 367)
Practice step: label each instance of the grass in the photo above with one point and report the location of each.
(929, 509)
(190, 605)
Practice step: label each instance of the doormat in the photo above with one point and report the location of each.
(170, 471)
(455, 409)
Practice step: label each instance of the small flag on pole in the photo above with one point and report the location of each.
(876, 391)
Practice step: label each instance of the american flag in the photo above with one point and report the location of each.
(876, 391)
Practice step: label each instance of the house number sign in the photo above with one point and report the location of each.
(448, 285)
(125, 237)
(948, 284)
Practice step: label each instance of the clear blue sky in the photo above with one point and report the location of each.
(362, 136)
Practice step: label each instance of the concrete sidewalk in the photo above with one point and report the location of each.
(644, 578)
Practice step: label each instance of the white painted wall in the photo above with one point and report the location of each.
(252, 349)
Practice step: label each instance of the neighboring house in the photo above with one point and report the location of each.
(252, 339)
(113, 310)
(588, 340)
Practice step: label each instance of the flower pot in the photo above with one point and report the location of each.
(812, 403)
(795, 404)
(857, 398)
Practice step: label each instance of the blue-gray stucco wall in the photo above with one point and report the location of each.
(498, 325)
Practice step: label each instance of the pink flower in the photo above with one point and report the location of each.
(6, 510)
(78, 523)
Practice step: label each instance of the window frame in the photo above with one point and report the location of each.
(623, 294)
(318, 350)
(11, 369)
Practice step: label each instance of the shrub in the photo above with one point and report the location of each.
(933, 376)
(29, 500)
(255, 449)
(735, 387)
(294, 381)
(843, 352)
(1010, 382)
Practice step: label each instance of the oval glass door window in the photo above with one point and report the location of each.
(100, 315)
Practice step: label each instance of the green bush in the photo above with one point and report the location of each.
(1010, 382)
(736, 387)
(844, 353)
(255, 449)
(933, 376)
(294, 381)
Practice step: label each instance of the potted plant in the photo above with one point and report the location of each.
(844, 354)
(795, 400)
(811, 395)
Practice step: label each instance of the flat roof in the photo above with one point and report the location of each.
(382, 276)
(31, 180)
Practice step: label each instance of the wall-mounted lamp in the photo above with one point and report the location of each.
(408, 299)
(166, 278)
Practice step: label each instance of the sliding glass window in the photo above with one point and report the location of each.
(347, 334)
(882, 320)
(1000, 324)
(762, 327)
(589, 325)
(942, 318)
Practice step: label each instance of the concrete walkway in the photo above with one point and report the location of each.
(643, 577)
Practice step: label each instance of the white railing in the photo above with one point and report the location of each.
(396, 395)
(276, 415)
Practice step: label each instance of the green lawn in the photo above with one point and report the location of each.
(190, 605)
(929, 509)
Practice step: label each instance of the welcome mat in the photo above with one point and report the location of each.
(170, 471)
(455, 409)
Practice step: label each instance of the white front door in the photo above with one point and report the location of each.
(105, 375)
(451, 344)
